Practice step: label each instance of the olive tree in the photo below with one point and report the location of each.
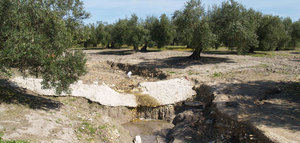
(36, 37)
(119, 33)
(91, 36)
(295, 34)
(161, 31)
(135, 33)
(107, 39)
(185, 20)
(202, 38)
(100, 33)
(235, 26)
(147, 38)
(271, 33)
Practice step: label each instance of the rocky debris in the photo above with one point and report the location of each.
(209, 125)
(169, 91)
(166, 113)
(184, 130)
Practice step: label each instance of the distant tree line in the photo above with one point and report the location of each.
(230, 25)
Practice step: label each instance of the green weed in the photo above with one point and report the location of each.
(217, 74)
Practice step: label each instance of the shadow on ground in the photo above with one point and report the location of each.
(221, 52)
(296, 53)
(183, 62)
(270, 103)
(14, 95)
(121, 52)
(114, 52)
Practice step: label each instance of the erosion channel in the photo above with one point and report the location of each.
(165, 110)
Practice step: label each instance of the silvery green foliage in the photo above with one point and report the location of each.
(161, 31)
(203, 38)
(272, 33)
(235, 26)
(295, 34)
(36, 37)
(186, 19)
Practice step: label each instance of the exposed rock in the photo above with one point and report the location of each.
(188, 116)
(102, 94)
(184, 130)
(166, 112)
(164, 92)
(206, 125)
(137, 139)
(169, 91)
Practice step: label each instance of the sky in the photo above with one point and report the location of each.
(112, 10)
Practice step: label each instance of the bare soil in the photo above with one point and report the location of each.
(262, 90)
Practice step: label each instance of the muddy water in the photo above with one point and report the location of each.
(151, 131)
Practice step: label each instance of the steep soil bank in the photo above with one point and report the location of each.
(209, 125)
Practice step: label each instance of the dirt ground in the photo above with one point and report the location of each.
(262, 89)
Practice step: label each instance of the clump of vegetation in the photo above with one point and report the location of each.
(11, 141)
(91, 132)
(146, 100)
(217, 74)
(87, 128)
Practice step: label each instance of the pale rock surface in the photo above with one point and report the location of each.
(169, 91)
(165, 92)
(102, 94)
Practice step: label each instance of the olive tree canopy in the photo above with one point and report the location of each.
(36, 37)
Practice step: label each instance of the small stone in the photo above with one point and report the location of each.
(129, 74)
(137, 139)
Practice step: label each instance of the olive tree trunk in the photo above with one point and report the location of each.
(135, 48)
(144, 49)
(196, 54)
(112, 45)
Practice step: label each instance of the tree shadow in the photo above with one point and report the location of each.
(93, 48)
(114, 52)
(182, 62)
(15, 95)
(296, 53)
(121, 52)
(221, 52)
(150, 51)
(270, 103)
